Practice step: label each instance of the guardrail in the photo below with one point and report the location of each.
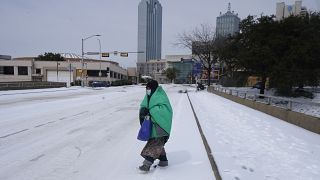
(30, 85)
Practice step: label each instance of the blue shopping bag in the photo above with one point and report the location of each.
(145, 130)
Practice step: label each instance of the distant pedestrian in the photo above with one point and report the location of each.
(156, 105)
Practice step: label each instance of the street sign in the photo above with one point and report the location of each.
(124, 54)
(92, 53)
(197, 68)
(105, 54)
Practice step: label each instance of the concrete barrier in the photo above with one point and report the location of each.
(302, 120)
(30, 85)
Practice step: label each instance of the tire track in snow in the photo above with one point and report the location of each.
(37, 158)
(40, 125)
(11, 134)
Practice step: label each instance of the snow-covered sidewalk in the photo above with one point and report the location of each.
(251, 145)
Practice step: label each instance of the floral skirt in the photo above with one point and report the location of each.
(154, 148)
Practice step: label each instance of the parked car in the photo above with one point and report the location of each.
(200, 86)
(258, 85)
(99, 84)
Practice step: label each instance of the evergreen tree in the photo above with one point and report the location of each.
(171, 73)
(50, 57)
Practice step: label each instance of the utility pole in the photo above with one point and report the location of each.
(57, 71)
(100, 74)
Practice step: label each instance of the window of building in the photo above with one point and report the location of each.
(7, 70)
(22, 70)
(38, 71)
(95, 73)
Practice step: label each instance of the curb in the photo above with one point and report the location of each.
(206, 145)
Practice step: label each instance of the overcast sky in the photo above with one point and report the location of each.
(33, 27)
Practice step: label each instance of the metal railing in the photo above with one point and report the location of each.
(286, 103)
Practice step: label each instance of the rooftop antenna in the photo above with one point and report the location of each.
(229, 7)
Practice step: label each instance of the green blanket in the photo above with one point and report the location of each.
(160, 111)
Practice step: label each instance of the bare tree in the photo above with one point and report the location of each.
(203, 44)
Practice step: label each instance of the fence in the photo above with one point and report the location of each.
(282, 108)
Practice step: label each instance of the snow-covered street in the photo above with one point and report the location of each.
(84, 133)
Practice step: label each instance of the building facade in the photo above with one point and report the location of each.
(6, 57)
(132, 75)
(228, 23)
(69, 71)
(149, 30)
(184, 68)
(283, 10)
(151, 67)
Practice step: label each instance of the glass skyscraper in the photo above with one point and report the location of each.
(149, 30)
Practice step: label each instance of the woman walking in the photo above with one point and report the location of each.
(156, 105)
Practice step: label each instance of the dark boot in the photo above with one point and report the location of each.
(145, 166)
(163, 161)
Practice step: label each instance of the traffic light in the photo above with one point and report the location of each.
(105, 54)
(124, 54)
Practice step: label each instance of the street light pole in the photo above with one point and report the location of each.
(82, 55)
(100, 58)
(58, 71)
(82, 85)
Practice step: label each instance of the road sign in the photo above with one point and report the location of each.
(197, 68)
(105, 54)
(124, 54)
(92, 53)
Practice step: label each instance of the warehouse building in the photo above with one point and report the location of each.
(69, 71)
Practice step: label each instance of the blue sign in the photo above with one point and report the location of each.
(197, 68)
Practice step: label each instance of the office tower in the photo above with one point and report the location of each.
(284, 10)
(228, 23)
(149, 30)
